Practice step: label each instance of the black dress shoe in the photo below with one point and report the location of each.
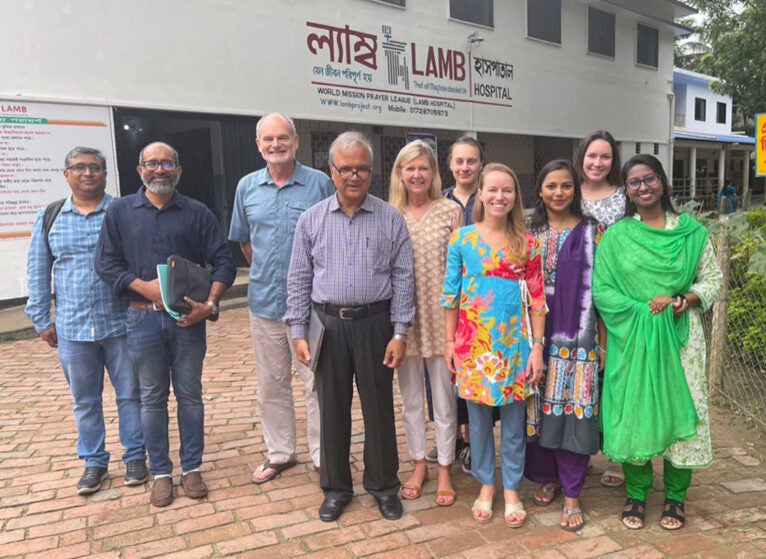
(390, 507)
(331, 509)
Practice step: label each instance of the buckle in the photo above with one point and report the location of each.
(342, 313)
(154, 306)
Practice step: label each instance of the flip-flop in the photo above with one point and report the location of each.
(570, 513)
(612, 471)
(550, 492)
(277, 471)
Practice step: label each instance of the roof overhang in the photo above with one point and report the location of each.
(663, 12)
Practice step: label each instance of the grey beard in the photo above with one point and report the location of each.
(160, 188)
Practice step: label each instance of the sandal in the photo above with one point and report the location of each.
(675, 510)
(636, 510)
(414, 488)
(570, 513)
(546, 494)
(445, 497)
(518, 510)
(613, 471)
(482, 506)
(277, 471)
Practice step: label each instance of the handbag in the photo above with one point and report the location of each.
(186, 279)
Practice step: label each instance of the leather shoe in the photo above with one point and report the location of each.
(390, 507)
(331, 509)
(162, 491)
(194, 486)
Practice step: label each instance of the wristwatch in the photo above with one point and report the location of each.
(400, 338)
(214, 307)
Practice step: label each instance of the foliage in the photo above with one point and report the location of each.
(731, 48)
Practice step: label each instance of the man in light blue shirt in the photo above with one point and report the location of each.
(267, 206)
(89, 328)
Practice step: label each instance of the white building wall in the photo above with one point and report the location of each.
(251, 57)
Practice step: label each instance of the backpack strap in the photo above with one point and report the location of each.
(51, 213)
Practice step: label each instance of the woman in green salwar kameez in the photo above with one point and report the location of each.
(655, 273)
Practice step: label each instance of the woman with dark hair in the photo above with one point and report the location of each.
(598, 168)
(655, 273)
(495, 322)
(603, 199)
(562, 419)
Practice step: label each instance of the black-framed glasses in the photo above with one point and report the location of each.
(648, 180)
(154, 165)
(80, 168)
(348, 172)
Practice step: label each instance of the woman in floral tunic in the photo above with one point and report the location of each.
(493, 274)
(655, 272)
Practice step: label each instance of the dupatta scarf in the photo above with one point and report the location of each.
(646, 404)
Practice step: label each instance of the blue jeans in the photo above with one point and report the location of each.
(83, 364)
(512, 443)
(163, 351)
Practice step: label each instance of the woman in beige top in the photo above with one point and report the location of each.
(415, 191)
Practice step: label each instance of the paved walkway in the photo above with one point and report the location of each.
(42, 516)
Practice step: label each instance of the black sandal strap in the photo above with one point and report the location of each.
(671, 509)
(637, 509)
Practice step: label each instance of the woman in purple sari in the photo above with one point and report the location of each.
(563, 422)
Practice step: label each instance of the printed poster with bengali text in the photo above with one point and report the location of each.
(34, 139)
(379, 76)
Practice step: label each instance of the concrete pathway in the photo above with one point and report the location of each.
(42, 516)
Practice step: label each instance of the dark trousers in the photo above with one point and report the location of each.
(355, 349)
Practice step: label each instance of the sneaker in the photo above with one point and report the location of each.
(193, 484)
(91, 479)
(135, 472)
(162, 491)
(465, 459)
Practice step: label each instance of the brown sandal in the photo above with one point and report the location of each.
(448, 494)
(416, 490)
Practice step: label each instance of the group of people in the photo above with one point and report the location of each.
(577, 328)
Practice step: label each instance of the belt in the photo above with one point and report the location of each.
(353, 312)
(144, 306)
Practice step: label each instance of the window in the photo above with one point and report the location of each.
(480, 12)
(600, 32)
(638, 148)
(544, 20)
(647, 45)
(699, 109)
(656, 149)
(394, 2)
(720, 113)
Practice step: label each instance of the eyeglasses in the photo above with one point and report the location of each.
(348, 172)
(154, 165)
(649, 180)
(80, 168)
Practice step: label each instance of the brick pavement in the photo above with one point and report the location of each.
(42, 516)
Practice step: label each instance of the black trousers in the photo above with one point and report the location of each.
(355, 349)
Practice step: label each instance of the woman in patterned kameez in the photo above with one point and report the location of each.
(563, 428)
(655, 273)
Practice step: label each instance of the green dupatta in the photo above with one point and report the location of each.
(646, 405)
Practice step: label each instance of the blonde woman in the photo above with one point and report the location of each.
(494, 347)
(415, 191)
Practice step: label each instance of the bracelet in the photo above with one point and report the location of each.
(601, 349)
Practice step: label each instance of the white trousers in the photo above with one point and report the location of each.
(412, 387)
(274, 360)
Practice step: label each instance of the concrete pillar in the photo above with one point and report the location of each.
(693, 174)
(746, 179)
(721, 168)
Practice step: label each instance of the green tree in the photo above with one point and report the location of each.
(732, 47)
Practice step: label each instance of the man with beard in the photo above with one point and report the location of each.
(139, 232)
(267, 206)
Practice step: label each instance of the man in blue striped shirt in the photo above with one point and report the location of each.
(89, 328)
(352, 261)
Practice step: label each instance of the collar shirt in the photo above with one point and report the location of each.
(136, 236)
(467, 209)
(353, 260)
(265, 216)
(86, 308)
